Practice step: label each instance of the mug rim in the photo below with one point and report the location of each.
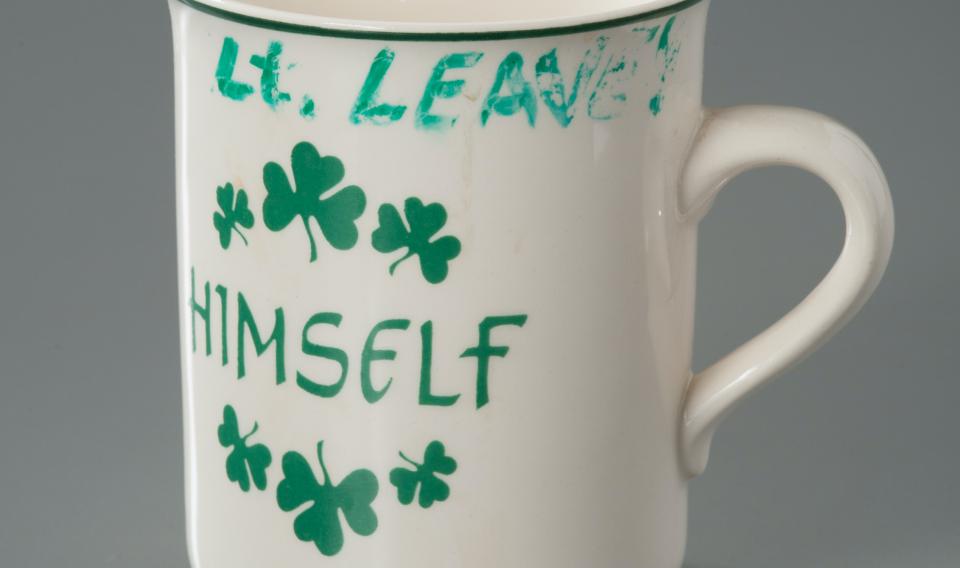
(293, 22)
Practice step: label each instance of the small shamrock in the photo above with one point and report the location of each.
(425, 221)
(314, 175)
(320, 523)
(232, 213)
(244, 461)
(432, 488)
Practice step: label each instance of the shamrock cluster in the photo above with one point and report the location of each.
(328, 501)
(424, 475)
(311, 194)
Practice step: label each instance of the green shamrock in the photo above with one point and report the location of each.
(425, 221)
(432, 488)
(320, 523)
(231, 214)
(313, 175)
(244, 461)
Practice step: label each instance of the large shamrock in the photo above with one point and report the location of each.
(233, 212)
(244, 461)
(314, 175)
(432, 488)
(320, 523)
(425, 221)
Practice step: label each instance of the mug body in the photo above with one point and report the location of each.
(437, 302)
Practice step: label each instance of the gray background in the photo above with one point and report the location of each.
(851, 460)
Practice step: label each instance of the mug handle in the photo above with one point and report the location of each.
(737, 139)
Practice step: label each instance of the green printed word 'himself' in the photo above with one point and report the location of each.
(267, 330)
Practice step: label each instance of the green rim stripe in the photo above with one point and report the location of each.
(436, 36)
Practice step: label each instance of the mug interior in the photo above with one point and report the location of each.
(452, 12)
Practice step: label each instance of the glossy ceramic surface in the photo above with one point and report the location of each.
(438, 278)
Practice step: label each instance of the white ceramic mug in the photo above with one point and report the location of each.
(437, 266)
